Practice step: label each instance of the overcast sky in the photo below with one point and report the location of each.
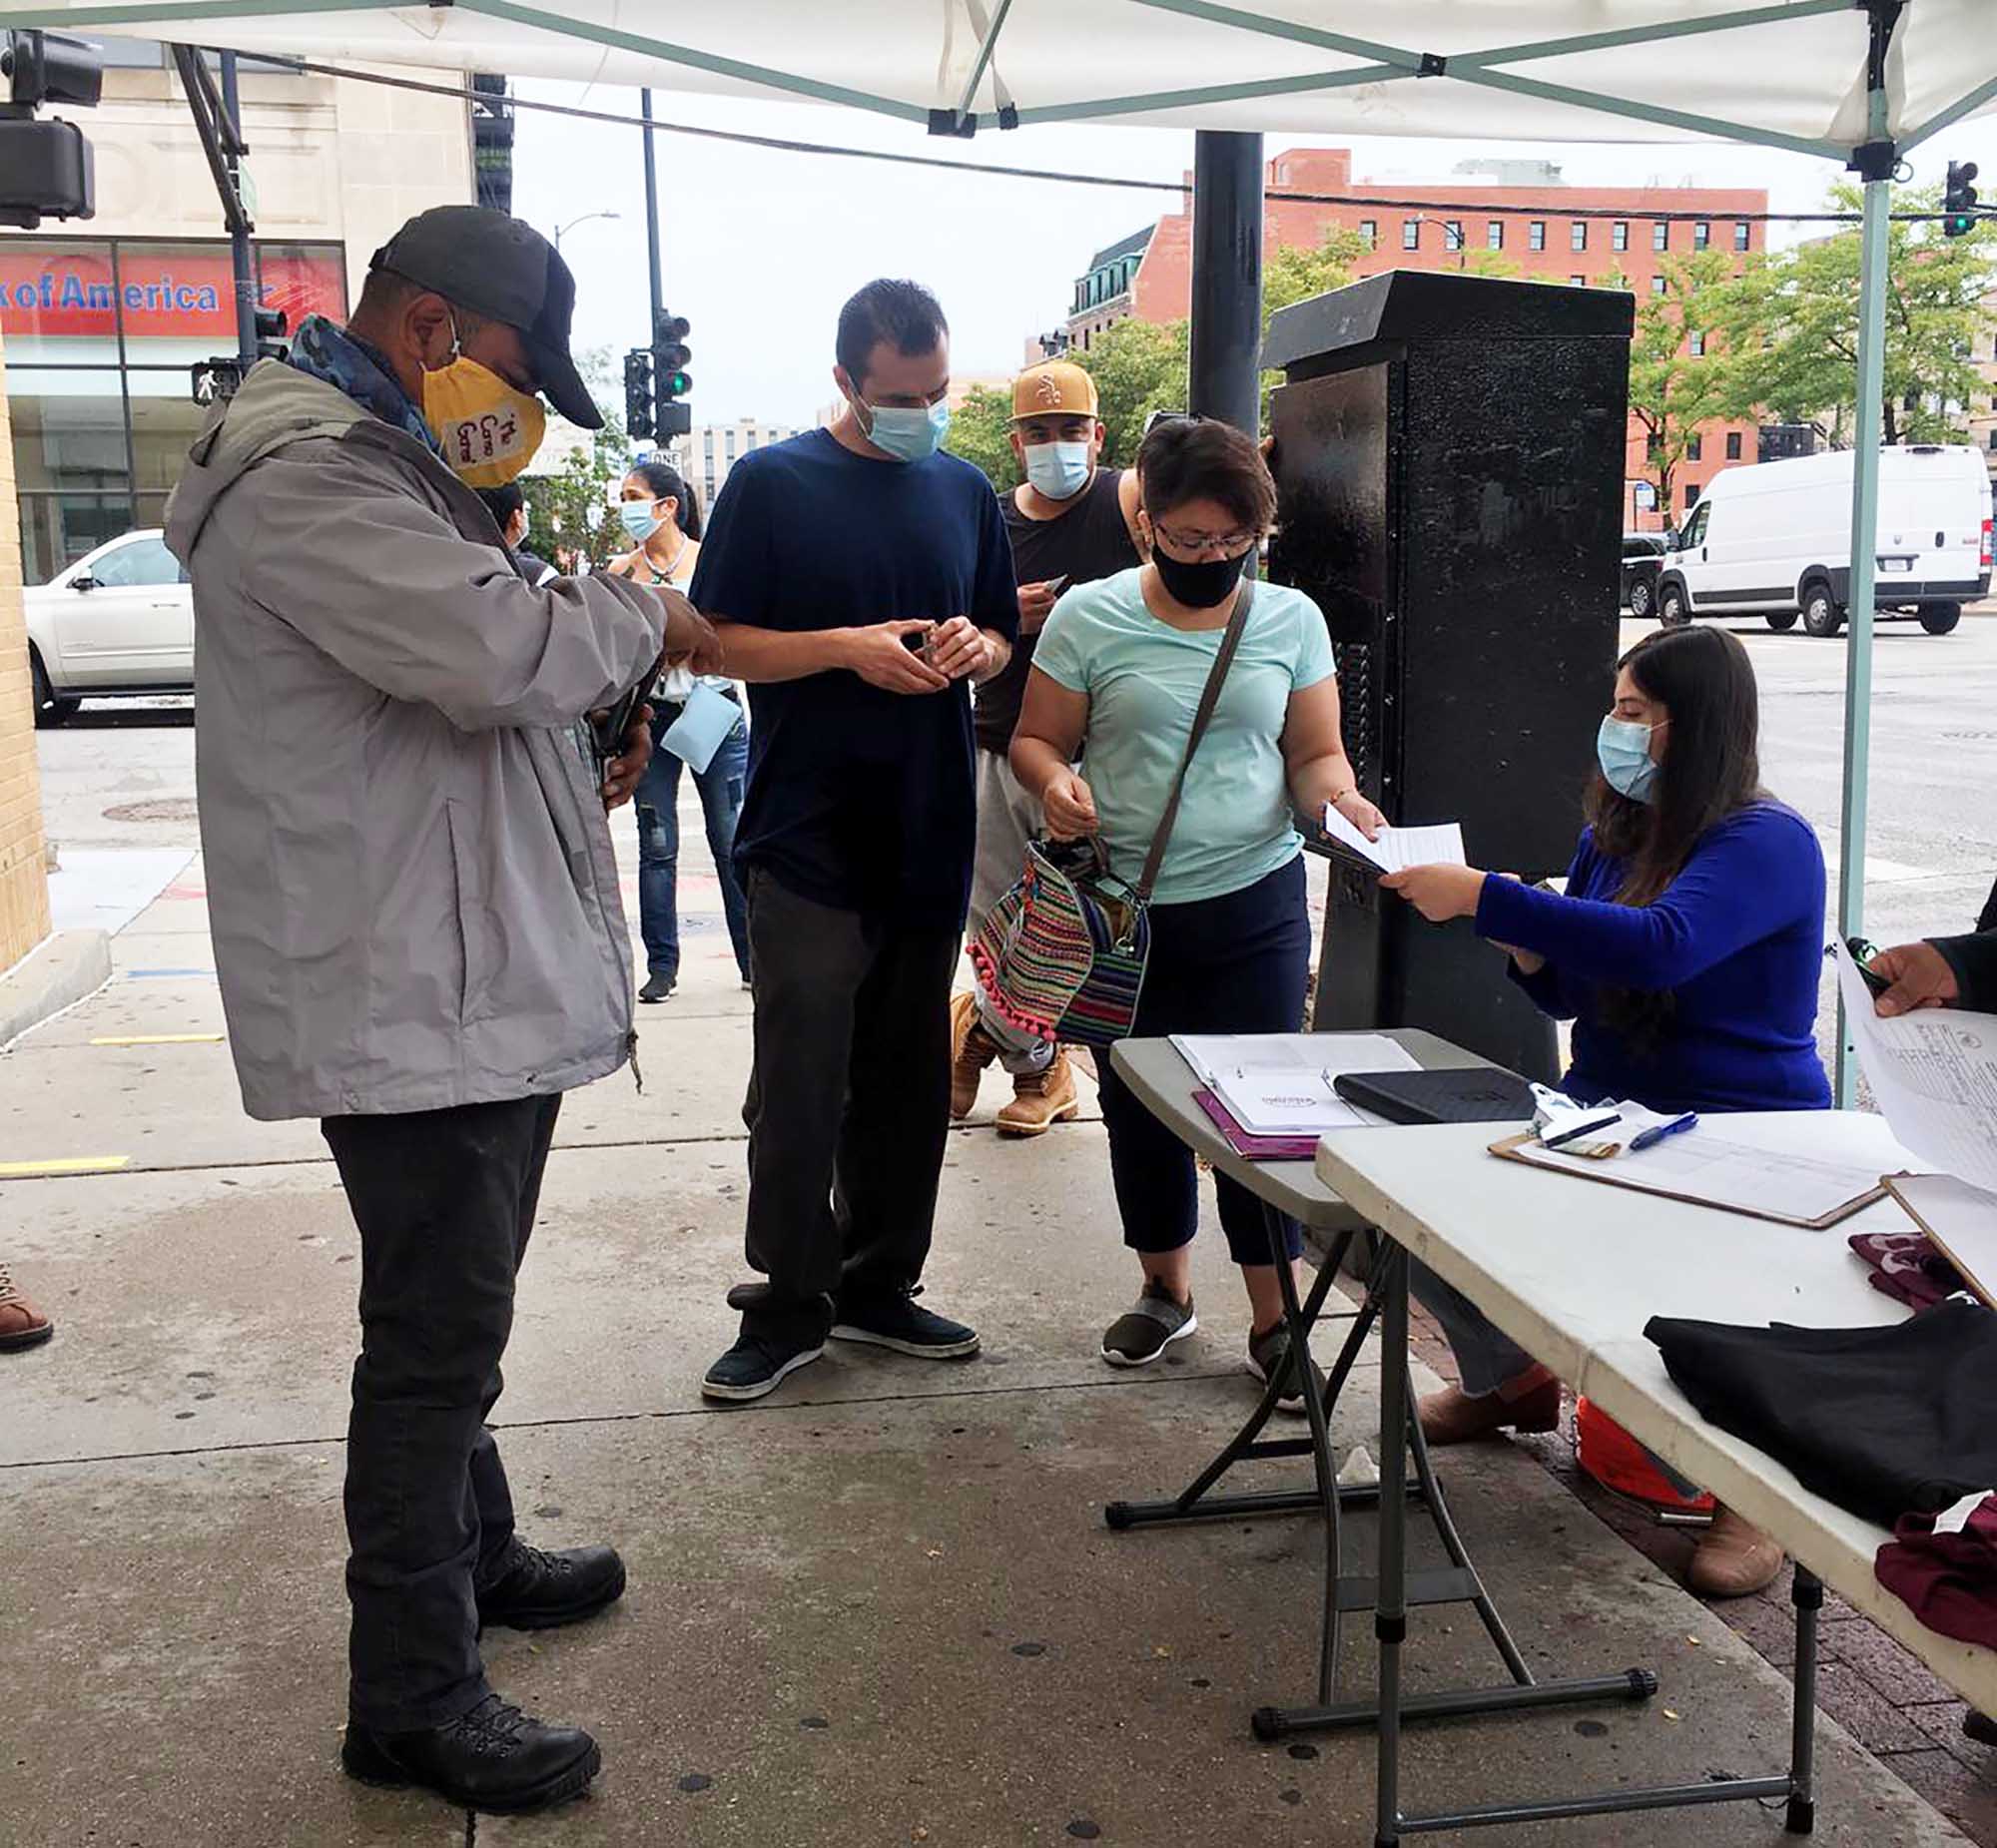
(760, 247)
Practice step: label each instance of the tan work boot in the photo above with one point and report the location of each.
(1040, 1100)
(1734, 1559)
(1530, 1403)
(22, 1325)
(972, 1048)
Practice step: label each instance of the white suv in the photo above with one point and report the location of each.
(118, 621)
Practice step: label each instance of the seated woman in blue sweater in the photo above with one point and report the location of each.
(1687, 951)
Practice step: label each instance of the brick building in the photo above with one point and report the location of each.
(1457, 224)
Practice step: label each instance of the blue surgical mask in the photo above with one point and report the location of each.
(1623, 748)
(1059, 470)
(639, 520)
(908, 435)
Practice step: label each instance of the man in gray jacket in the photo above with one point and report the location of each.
(416, 913)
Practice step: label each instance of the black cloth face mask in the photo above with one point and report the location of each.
(1200, 586)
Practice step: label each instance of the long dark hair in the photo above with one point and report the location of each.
(1711, 768)
(666, 482)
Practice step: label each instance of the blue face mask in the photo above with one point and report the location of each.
(906, 434)
(1059, 470)
(1623, 748)
(639, 520)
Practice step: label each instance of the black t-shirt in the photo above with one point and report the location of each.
(857, 797)
(1091, 541)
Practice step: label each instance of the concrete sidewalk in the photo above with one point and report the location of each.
(880, 1608)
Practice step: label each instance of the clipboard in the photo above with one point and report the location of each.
(1720, 1165)
(1934, 1201)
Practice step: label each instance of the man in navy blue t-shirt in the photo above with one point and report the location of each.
(860, 580)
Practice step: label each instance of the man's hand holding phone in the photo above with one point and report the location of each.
(895, 656)
(1036, 603)
(959, 649)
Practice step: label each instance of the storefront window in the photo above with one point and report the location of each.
(101, 334)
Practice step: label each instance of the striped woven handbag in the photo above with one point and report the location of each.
(1062, 956)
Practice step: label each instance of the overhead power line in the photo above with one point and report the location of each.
(1469, 204)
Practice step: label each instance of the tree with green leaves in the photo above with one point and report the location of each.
(1683, 359)
(570, 511)
(1801, 311)
(1139, 366)
(980, 431)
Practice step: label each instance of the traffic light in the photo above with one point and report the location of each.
(1958, 202)
(46, 168)
(669, 349)
(639, 422)
(271, 325)
(670, 355)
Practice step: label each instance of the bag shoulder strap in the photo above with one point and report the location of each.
(1210, 699)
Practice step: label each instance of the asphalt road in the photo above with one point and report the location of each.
(120, 774)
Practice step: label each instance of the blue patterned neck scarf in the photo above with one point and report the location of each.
(343, 360)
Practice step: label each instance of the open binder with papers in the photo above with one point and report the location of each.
(1282, 1084)
(1706, 1169)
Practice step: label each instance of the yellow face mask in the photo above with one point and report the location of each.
(488, 432)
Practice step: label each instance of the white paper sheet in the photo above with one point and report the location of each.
(1934, 1075)
(1276, 1084)
(1702, 1165)
(1397, 848)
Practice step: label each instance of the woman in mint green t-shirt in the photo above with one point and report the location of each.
(1116, 680)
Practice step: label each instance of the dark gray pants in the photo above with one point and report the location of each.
(445, 1200)
(849, 1104)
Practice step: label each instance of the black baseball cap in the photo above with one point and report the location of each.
(503, 269)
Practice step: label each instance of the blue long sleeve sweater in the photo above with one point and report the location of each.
(1737, 937)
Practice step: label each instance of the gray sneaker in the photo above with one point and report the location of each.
(1150, 1326)
(1269, 1355)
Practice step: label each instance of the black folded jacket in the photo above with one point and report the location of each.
(1881, 1421)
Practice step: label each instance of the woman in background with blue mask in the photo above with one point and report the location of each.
(660, 514)
(1688, 950)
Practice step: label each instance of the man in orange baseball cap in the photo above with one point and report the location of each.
(1070, 523)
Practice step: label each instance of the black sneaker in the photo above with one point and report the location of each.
(532, 1589)
(493, 1759)
(759, 1363)
(1148, 1327)
(1269, 1353)
(899, 1323)
(1980, 1728)
(659, 988)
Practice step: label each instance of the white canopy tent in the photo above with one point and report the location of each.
(1855, 82)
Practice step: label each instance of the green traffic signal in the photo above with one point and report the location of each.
(1958, 202)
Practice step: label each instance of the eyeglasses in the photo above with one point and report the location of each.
(1228, 542)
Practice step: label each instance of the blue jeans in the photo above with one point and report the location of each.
(657, 804)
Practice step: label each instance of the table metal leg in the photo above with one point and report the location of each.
(1807, 1595)
(1324, 1463)
(1196, 1503)
(1390, 1616)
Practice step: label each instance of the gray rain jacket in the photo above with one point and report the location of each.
(412, 886)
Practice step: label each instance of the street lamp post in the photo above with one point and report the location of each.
(562, 230)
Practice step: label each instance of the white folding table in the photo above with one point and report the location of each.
(1572, 1270)
(1166, 1085)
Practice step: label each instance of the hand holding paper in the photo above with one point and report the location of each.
(1397, 848)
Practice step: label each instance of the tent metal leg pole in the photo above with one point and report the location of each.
(1858, 636)
(1225, 372)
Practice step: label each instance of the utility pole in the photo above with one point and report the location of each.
(652, 209)
(1226, 377)
(242, 258)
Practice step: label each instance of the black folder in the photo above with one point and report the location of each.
(1472, 1095)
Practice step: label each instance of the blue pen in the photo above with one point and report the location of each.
(1650, 1138)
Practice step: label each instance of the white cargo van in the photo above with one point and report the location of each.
(1775, 540)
